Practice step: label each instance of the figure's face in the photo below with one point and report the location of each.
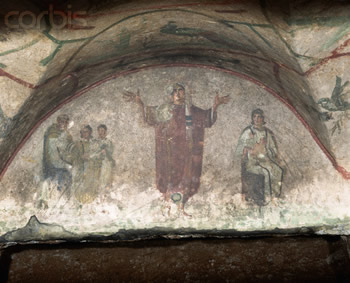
(258, 120)
(179, 96)
(63, 125)
(102, 133)
(85, 133)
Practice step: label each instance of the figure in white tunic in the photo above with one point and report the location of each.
(261, 171)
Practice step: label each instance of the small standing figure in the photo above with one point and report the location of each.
(56, 163)
(179, 133)
(106, 154)
(86, 167)
(261, 171)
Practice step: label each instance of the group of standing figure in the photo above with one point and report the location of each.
(81, 168)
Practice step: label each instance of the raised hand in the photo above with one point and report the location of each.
(259, 147)
(220, 100)
(129, 96)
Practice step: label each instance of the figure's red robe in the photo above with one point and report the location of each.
(179, 159)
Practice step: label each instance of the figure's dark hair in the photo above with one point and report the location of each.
(102, 126)
(88, 127)
(62, 118)
(257, 111)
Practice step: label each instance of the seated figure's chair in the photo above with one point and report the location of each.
(252, 186)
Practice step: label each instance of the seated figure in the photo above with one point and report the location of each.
(261, 171)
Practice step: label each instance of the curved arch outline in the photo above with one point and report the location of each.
(345, 174)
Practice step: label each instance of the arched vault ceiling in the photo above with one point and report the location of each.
(259, 41)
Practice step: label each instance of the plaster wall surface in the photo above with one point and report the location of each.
(289, 59)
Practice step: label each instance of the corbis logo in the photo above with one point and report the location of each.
(58, 19)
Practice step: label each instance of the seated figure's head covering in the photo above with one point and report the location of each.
(170, 89)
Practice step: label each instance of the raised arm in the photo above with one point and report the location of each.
(129, 96)
(220, 100)
(149, 113)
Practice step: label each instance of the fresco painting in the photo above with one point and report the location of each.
(179, 130)
(96, 167)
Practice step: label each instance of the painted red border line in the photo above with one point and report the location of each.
(334, 54)
(324, 61)
(231, 11)
(345, 174)
(226, 3)
(17, 80)
(29, 85)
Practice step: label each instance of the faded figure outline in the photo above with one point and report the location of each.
(261, 170)
(179, 134)
(106, 149)
(86, 166)
(56, 159)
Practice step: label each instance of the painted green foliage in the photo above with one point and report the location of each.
(336, 103)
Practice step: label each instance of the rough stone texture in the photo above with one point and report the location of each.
(230, 260)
